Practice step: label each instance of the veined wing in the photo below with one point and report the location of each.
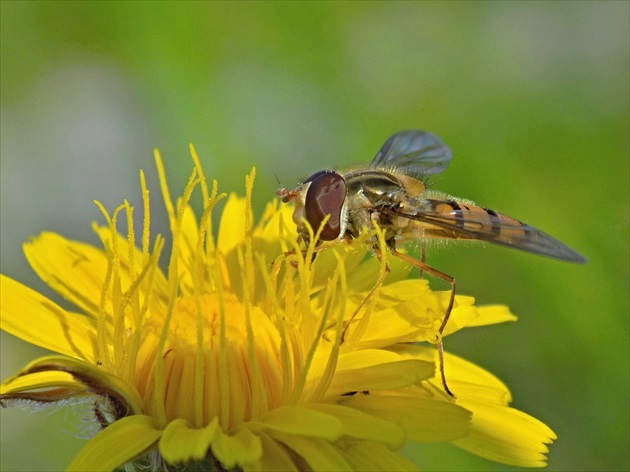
(451, 219)
(413, 152)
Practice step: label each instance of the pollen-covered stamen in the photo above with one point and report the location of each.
(128, 291)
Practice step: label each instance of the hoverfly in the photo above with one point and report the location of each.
(392, 193)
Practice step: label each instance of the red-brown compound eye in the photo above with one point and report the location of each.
(325, 196)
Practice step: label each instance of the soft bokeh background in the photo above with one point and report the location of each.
(532, 97)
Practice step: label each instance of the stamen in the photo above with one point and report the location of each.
(331, 364)
(146, 209)
(202, 177)
(372, 297)
(173, 277)
(168, 203)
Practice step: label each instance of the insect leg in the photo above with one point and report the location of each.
(304, 252)
(423, 254)
(440, 275)
(277, 262)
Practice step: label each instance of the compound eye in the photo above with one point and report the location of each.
(325, 196)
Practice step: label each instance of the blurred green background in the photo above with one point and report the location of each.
(532, 98)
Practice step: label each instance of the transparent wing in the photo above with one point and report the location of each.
(451, 219)
(415, 153)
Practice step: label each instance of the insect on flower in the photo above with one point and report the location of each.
(391, 192)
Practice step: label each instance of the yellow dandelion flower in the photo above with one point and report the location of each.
(240, 357)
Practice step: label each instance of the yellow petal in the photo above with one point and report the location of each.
(422, 419)
(416, 290)
(241, 448)
(319, 454)
(403, 310)
(276, 221)
(374, 456)
(43, 387)
(181, 443)
(267, 240)
(75, 270)
(506, 435)
(42, 381)
(366, 358)
(274, 457)
(117, 444)
(492, 314)
(391, 326)
(377, 370)
(464, 378)
(464, 313)
(96, 380)
(296, 419)
(359, 425)
(187, 249)
(232, 225)
(32, 317)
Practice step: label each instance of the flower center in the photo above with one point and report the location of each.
(184, 325)
(212, 367)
